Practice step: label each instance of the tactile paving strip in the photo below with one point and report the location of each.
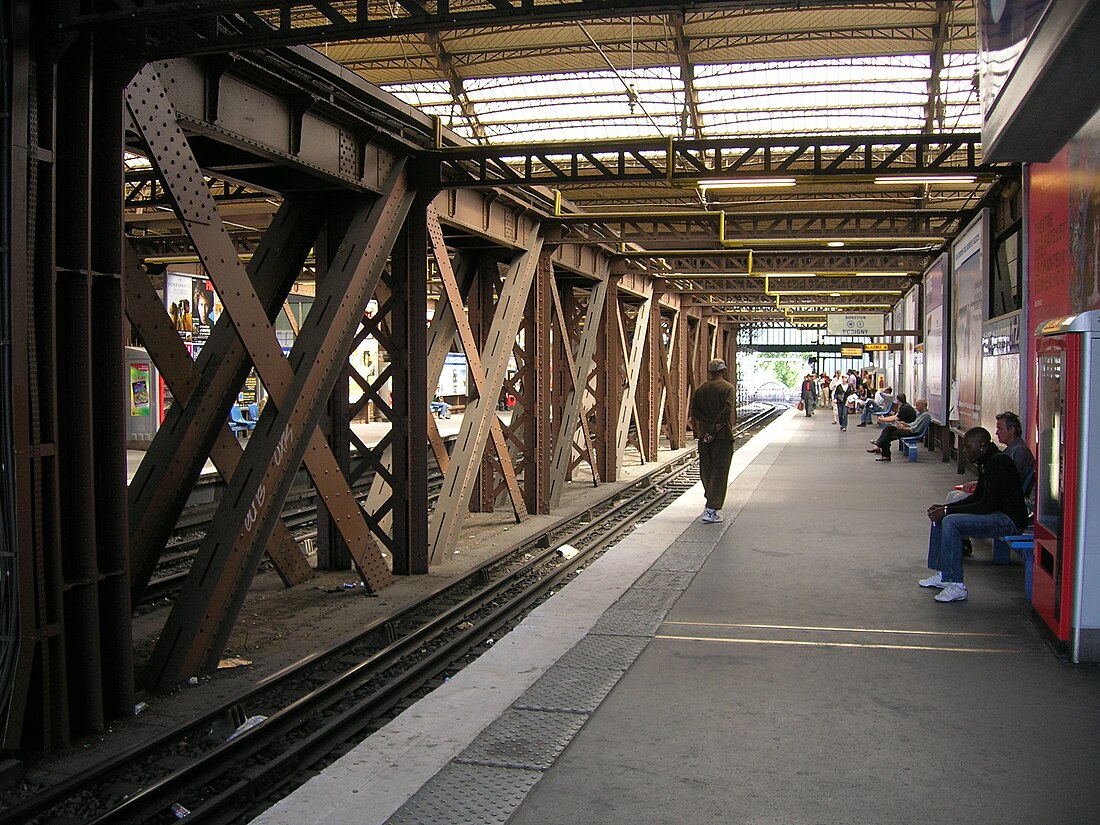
(687, 556)
(523, 739)
(618, 621)
(569, 690)
(467, 794)
(604, 652)
(650, 600)
(664, 580)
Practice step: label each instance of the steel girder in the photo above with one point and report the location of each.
(747, 261)
(69, 653)
(476, 426)
(579, 368)
(707, 228)
(632, 345)
(687, 162)
(173, 27)
(479, 384)
(161, 339)
(200, 623)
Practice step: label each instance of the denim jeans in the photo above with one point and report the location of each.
(842, 414)
(869, 409)
(945, 540)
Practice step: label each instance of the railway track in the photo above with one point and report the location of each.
(244, 754)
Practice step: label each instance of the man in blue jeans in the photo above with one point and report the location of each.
(995, 509)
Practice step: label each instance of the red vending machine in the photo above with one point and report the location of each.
(1066, 575)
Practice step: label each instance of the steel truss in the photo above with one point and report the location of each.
(686, 162)
(174, 27)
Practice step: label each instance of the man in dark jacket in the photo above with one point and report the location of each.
(995, 509)
(712, 420)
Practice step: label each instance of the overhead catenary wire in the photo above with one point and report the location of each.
(631, 92)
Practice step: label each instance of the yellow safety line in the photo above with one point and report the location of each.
(843, 629)
(836, 644)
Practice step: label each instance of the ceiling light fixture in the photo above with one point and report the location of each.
(745, 183)
(909, 180)
(835, 243)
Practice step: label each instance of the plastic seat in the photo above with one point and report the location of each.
(238, 423)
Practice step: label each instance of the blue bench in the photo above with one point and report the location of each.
(910, 443)
(1022, 545)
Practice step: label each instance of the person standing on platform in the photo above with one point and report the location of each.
(712, 410)
(840, 410)
(808, 394)
(995, 509)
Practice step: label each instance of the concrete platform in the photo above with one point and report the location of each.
(781, 667)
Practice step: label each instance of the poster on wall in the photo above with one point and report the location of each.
(913, 380)
(205, 309)
(453, 379)
(935, 353)
(177, 301)
(969, 254)
(140, 405)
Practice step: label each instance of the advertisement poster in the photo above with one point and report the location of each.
(453, 379)
(968, 268)
(139, 390)
(177, 300)
(205, 309)
(934, 350)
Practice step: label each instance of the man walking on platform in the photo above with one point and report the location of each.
(712, 420)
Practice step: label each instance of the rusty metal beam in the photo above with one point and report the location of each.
(454, 497)
(156, 331)
(573, 409)
(200, 623)
(634, 351)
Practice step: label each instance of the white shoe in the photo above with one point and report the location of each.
(711, 516)
(952, 592)
(933, 581)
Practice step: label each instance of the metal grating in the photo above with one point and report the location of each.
(526, 739)
(626, 622)
(655, 579)
(648, 601)
(684, 555)
(604, 652)
(466, 794)
(569, 690)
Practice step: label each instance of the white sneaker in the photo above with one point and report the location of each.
(711, 516)
(952, 592)
(933, 581)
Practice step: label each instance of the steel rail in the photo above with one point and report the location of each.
(151, 801)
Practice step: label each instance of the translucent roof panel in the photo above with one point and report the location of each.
(885, 94)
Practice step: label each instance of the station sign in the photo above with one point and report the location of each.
(877, 347)
(848, 349)
(855, 323)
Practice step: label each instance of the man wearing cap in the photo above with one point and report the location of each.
(712, 410)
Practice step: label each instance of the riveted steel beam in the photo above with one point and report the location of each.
(229, 556)
(157, 332)
(192, 641)
(688, 162)
(633, 351)
(176, 27)
(736, 262)
(480, 385)
(573, 411)
(472, 438)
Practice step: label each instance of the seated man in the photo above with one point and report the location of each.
(995, 509)
(882, 402)
(905, 412)
(900, 429)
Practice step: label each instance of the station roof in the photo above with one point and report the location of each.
(836, 80)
